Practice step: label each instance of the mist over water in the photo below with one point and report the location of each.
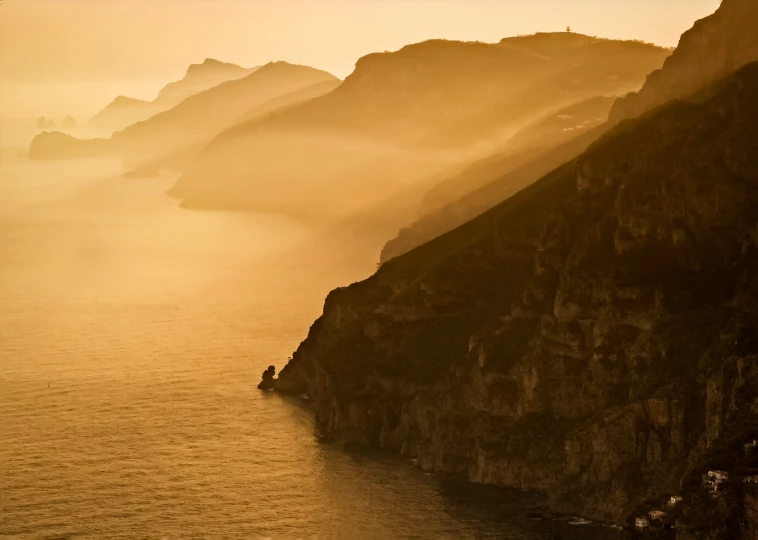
(132, 335)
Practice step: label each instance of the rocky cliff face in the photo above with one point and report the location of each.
(713, 48)
(592, 337)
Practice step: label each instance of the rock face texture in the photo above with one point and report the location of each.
(593, 337)
(715, 47)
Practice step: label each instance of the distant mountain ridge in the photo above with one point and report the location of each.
(123, 111)
(196, 118)
(200, 77)
(402, 111)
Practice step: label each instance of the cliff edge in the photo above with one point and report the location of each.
(713, 48)
(592, 337)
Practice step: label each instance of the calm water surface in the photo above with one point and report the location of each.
(132, 335)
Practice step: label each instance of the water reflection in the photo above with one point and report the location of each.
(132, 335)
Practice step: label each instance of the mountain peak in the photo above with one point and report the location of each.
(211, 64)
(714, 47)
(125, 101)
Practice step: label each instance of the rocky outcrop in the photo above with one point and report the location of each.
(713, 48)
(267, 379)
(69, 123)
(593, 337)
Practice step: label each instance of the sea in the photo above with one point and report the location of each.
(133, 334)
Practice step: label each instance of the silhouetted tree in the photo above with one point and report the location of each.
(568, 29)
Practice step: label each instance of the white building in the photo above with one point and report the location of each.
(674, 500)
(718, 476)
(641, 523)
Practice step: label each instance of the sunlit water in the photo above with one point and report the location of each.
(132, 335)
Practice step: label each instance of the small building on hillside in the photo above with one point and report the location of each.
(674, 500)
(751, 447)
(641, 523)
(657, 515)
(718, 476)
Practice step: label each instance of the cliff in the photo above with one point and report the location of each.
(592, 337)
(715, 46)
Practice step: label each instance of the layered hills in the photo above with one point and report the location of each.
(592, 337)
(124, 111)
(402, 117)
(196, 118)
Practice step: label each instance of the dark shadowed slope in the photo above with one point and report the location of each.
(592, 337)
(197, 117)
(398, 113)
(714, 47)
(533, 152)
(124, 111)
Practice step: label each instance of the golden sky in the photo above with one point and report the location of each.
(103, 43)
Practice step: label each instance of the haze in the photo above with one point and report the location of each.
(84, 52)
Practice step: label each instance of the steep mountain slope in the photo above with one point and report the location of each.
(592, 337)
(399, 112)
(178, 160)
(532, 153)
(284, 101)
(200, 77)
(197, 117)
(124, 111)
(713, 48)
